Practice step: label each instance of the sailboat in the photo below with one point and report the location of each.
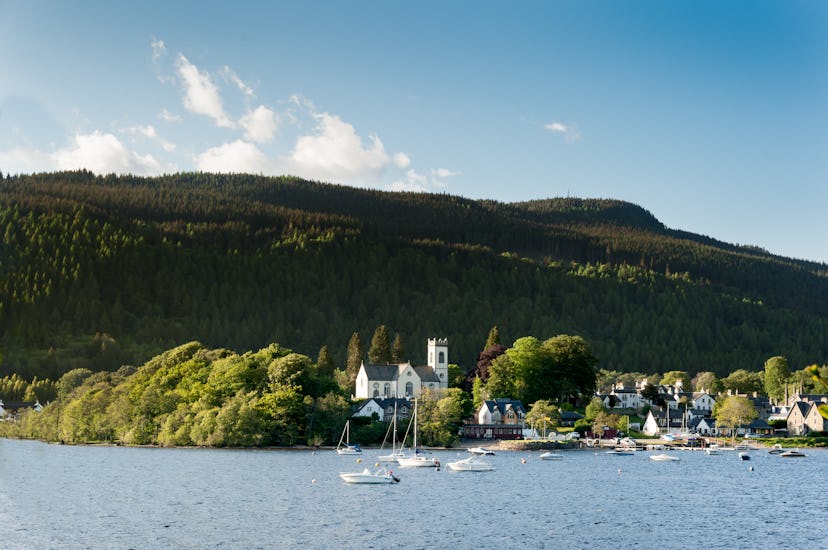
(417, 461)
(396, 453)
(347, 449)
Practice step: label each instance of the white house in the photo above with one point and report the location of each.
(384, 408)
(625, 398)
(404, 379)
(703, 401)
(501, 411)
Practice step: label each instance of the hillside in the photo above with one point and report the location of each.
(103, 271)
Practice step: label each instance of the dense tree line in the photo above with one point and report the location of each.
(101, 271)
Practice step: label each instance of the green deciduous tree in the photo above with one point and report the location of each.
(734, 411)
(776, 377)
(543, 415)
(743, 381)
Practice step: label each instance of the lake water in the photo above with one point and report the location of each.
(67, 497)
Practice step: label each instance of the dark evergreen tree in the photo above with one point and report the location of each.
(380, 351)
(397, 351)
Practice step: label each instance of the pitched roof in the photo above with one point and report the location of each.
(502, 404)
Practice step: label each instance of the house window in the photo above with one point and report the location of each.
(386, 389)
(376, 393)
(409, 389)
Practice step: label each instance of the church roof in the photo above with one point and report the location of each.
(387, 373)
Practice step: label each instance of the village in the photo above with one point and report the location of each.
(671, 413)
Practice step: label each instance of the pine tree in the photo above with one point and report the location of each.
(324, 363)
(397, 352)
(380, 351)
(354, 358)
(493, 338)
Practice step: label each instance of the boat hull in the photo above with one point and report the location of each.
(368, 477)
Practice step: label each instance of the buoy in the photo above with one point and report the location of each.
(523, 461)
(313, 481)
(376, 464)
(359, 460)
(751, 468)
(619, 471)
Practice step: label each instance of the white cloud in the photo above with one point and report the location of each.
(236, 157)
(167, 116)
(570, 133)
(21, 160)
(232, 77)
(201, 96)
(442, 173)
(259, 125)
(413, 182)
(104, 154)
(149, 132)
(402, 161)
(336, 153)
(158, 49)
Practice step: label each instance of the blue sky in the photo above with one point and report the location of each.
(712, 115)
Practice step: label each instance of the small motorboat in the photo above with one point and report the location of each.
(793, 453)
(777, 449)
(713, 449)
(549, 455)
(664, 457)
(744, 456)
(481, 451)
(470, 464)
(367, 476)
(620, 452)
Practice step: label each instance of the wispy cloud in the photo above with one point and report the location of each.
(158, 49)
(231, 75)
(201, 96)
(149, 132)
(570, 132)
(167, 116)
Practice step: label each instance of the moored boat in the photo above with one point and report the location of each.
(549, 455)
(792, 453)
(470, 464)
(367, 476)
(664, 457)
(481, 451)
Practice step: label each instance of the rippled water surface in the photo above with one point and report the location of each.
(54, 496)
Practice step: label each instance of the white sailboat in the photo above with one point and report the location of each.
(396, 453)
(347, 449)
(417, 461)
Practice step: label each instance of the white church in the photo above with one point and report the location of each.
(405, 380)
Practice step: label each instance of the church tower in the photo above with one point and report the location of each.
(438, 359)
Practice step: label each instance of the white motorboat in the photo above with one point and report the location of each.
(470, 464)
(776, 450)
(347, 448)
(481, 451)
(549, 455)
(664, 457)
(793, 453)
(620, 452)
(713, 449)
(367, 476)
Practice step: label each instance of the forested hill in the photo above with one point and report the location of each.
(101, 271)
